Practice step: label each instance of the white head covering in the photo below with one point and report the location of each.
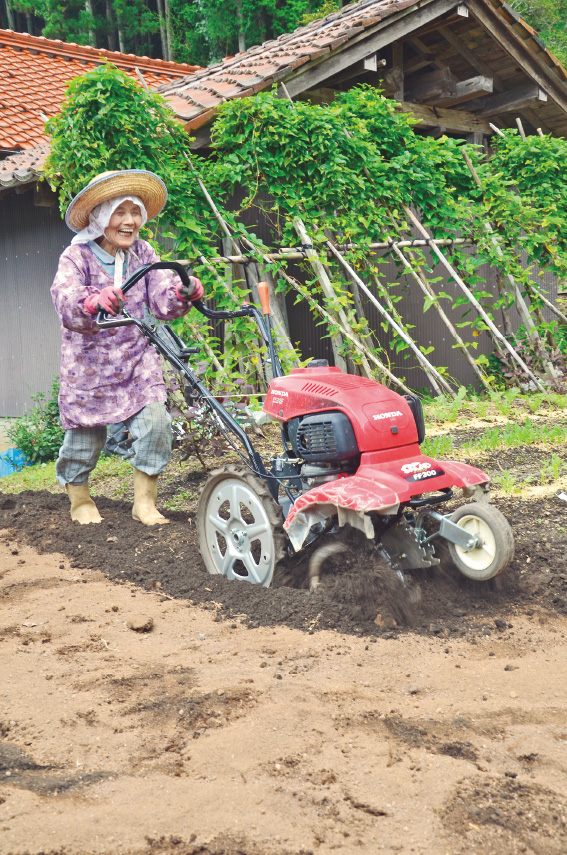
(99, 218)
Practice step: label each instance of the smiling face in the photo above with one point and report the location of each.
(123, 228)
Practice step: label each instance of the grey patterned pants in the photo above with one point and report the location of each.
(150, 430)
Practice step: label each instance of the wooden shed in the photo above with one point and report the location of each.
(457, 66)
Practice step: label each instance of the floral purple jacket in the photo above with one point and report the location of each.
(109, 375)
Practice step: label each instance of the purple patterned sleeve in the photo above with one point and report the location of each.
(69, 292)
(165, 305)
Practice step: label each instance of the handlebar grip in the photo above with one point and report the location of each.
(264, 294)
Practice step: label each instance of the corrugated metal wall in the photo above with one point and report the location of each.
(31, 241)
(32, 238)
(428, 329)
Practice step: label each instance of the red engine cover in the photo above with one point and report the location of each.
(380, 418)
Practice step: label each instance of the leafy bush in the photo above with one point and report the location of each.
(38, 433)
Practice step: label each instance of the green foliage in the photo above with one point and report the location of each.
(38, 433)
(347, 170)
(194, 31)
(109, 122)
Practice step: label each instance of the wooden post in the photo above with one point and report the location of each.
(468, 293)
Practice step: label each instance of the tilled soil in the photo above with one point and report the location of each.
(147, 707)
(167, 559)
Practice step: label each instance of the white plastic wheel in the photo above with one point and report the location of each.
(240, 527)
(495, 549)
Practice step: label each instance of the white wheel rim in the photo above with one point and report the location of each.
(481, 557)
(239, 534)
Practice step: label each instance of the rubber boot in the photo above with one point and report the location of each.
(145, 495)
(83, 509)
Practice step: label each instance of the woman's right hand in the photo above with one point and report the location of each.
(110, 300)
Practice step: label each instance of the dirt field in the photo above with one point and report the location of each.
(273, 722)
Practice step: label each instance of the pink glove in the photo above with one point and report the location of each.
(190, 293)
(109, 300)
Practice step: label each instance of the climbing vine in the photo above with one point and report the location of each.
(344, 175)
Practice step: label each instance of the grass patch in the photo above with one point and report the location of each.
(516, 435)
(38, 477)
(510, 403)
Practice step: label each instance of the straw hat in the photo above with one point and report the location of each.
(147, 186)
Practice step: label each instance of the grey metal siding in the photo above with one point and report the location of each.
(31, 240)
(426, 327)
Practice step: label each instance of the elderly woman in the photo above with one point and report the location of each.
(113, 375)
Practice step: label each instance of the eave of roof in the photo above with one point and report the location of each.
(196, 97)
(98, 56)
(25, 167)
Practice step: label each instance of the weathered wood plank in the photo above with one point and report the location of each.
(466, 90)
(419, 62)
(398, 68)
(504, 102)
(454, 121)
(435, 85)
(473, 60)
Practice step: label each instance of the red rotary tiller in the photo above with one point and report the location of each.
(350, 456)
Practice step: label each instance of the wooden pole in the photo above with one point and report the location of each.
(220, 219)
(520, 302)
(326, 287)
(429, 293)
(468, 293)
(437, 380)
(521, 129)
(348, 333)
(293, 254)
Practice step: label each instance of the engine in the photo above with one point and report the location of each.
(330, 419)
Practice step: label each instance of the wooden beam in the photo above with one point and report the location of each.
(398, 66)
(478, 64)
(466, 90)
(518, 50)
(358, 69)
(419, 62)
(506, 102)
(392, 82)
(438, 84)
(454, 121)
(536, 121)
(422, 49)
(386, 32)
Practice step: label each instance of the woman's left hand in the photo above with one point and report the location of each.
(190, 293)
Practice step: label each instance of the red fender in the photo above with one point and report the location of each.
(380, 488)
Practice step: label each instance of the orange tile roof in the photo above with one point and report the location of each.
(195, 97)
(35, 71)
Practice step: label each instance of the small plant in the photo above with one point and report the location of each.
(553, 469)
(38, 433)
(197, 430)
(437, 446)
(508, 483)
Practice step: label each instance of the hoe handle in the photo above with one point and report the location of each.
(264, 294)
